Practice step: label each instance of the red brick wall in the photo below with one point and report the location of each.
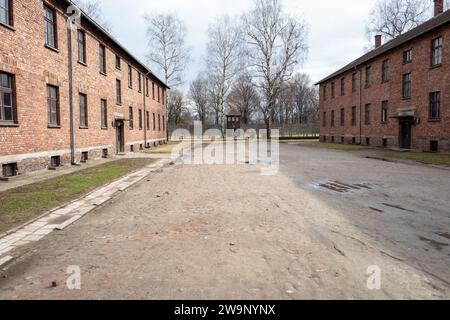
(24, 55)
(424, 81)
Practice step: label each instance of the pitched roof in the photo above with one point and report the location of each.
(430, 25)
(108, 35)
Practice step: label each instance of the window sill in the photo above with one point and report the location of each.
(54, 126)
(103, 74)
(406, 62)
(9, 124)
(406, 98)
(436, 66)
(384, 122)
(82, 63)
(83, 128)
(51, 48)
(104, 128)
(434, 120)
(7, 26)
(384, 81)
(118, 104)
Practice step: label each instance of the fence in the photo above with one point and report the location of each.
(294, 131)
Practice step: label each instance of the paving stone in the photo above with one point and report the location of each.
(33, 238)
(3, 251)
(68, 222)
(43, 232)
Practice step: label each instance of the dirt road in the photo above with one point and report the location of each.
(227, 232)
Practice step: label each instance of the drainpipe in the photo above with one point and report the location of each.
(145, 108)
(360, 106)
(72, 113)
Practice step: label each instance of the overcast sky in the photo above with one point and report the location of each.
(337, 28)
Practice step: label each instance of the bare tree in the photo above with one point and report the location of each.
(222, 62)
(276, 45)
(93, 9)
(198, 92)
(175, 107)
(166, 35)
(391, 18)
(244, 98)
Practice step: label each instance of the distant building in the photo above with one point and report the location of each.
(397, 95)
(233, 119)
(118, 104)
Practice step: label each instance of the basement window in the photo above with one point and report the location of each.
(10, 170)
(84, 156)
(55, 161)
(368, 141)
(105, 153)
(132, 148)
(141, 147)
(332, 139)
(385, 142)
(434, 146)
(354, 140)
(342, 139)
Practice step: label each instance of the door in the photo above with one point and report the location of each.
(120, 133)
(405, 134)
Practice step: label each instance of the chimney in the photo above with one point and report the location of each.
(378, 41)
(438, 7)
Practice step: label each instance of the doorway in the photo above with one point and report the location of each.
(120, 136)
(405, 134)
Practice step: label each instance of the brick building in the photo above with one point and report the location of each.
(397, 95)
(60, 108)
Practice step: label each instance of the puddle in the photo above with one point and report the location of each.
(435, 244)
(341, 187)
(59, 220)
(444, 235)
(396, 206)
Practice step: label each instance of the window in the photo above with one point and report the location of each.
(384, 111)
(55, 161)
(368, 141)
(435, 106)
(105, 153)
(53, 106)
(368, 114)
(84, 156)
(354, 82)
(324, 92)
(407, 86)
(163, 94)
(159, 122)
(147, 120)
(385, 71)
(407, 56)
(118, 92)
(368, 77)
(102, 59)
(9, 170)
(131, 116)
(353, 116)
(332, 118)
(159, 94)
(343, 87)
(139, 82)
(81, 46)
(118, 62)
(153, 90)
(130, 77)
(140, 119)
(146, 87)
(5, 12)
(342, 117)
(164, 123)
(50, 27)
(104, 113)
(83, 110)
(333, 90)
(324, 119)
(436, 52)
(434, 146)
(7, 108)
(154, 122)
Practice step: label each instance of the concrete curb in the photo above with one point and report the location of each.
(64, 216)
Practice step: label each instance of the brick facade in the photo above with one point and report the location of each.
(415, 111)
(30, 141)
